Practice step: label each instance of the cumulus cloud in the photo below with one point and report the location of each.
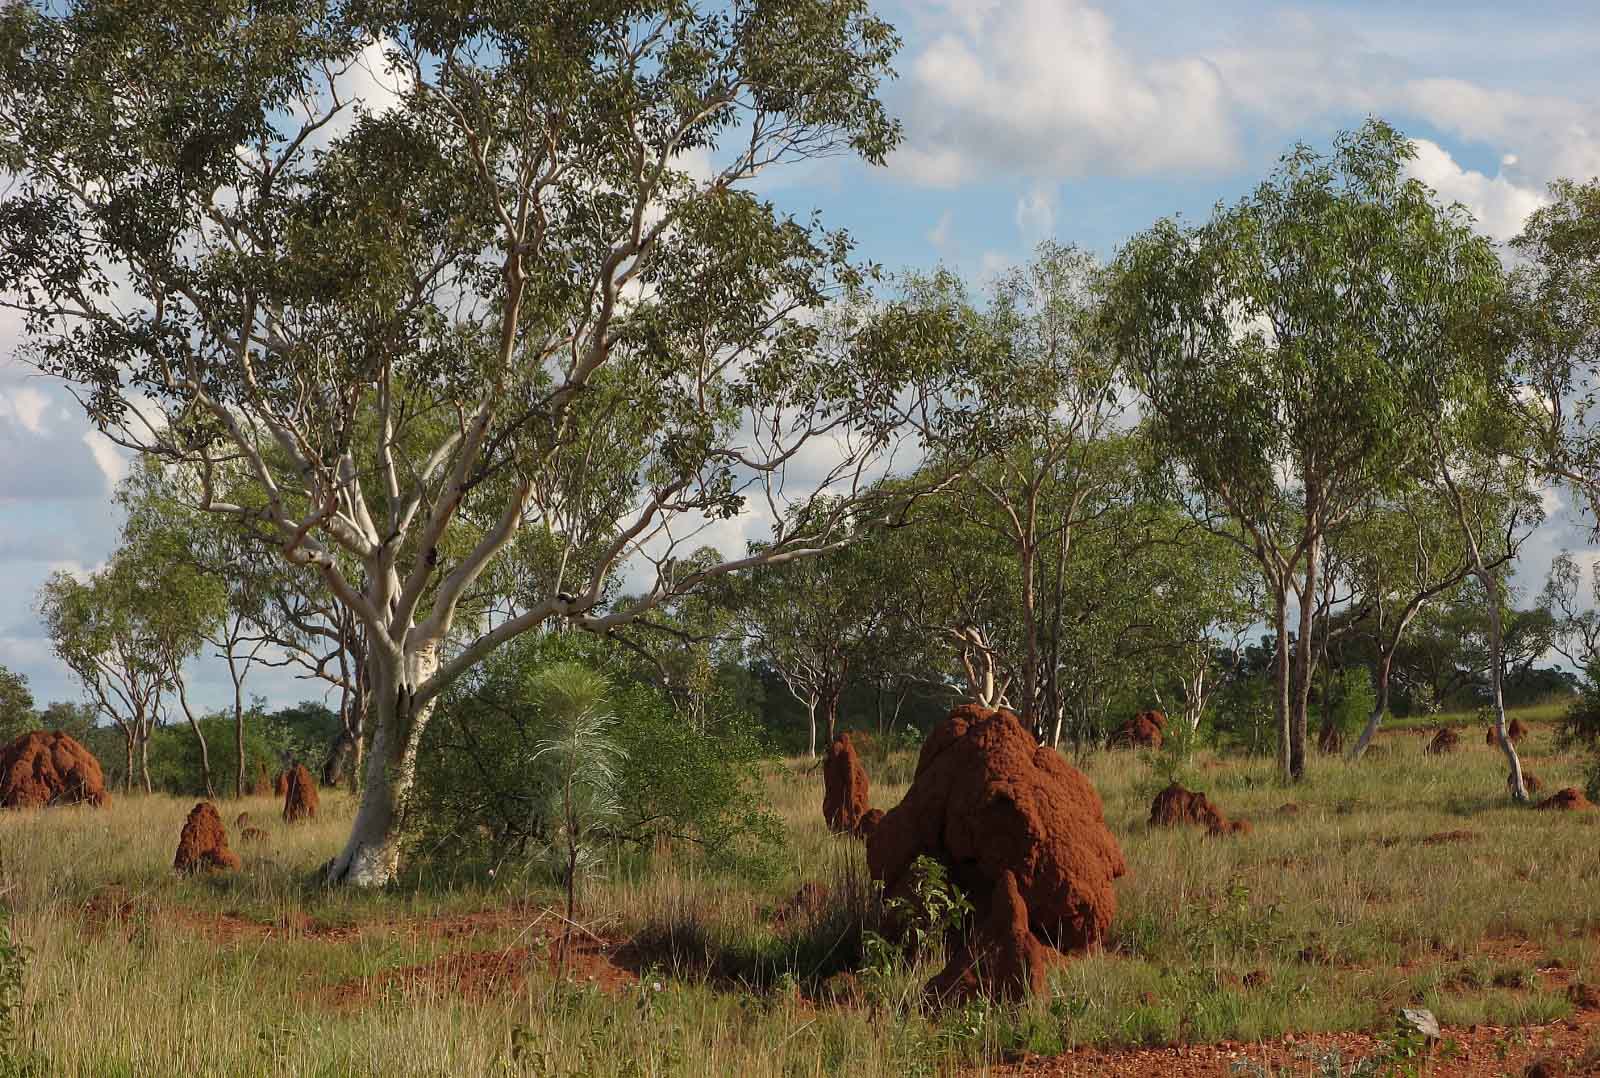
(1500, 205)
(1044, 88)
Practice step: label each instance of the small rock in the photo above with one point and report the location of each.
(1421, 1021)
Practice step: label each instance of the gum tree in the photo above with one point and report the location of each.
(393, 260)
(1280, 346)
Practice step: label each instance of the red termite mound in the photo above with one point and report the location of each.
(300, 796)
(1446, 740)
(1531, 782)
(280, 783)
(987, 801)
(47, 767)
(1175, 806)
(1001, 959)
(1514, 730)
(1570, 799)
(1144, 730)
(844, 785)
(204, 843)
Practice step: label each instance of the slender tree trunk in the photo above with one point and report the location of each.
(238, 723)
(127, 771)
(831, 710)
(371, 856)
(205, 754)
(1491, 585)
(144, 758)
(1302, 673)
(1280, 702)
(1379, 706)
(811, 718)
(1030, 634)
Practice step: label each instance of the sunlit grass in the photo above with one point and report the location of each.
(1322, 920)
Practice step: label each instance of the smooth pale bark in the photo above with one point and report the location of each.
(205, 754)
(1280, 701)
(1302, 665)
(371, 856)
(1519, 788)
(811, 718)
(127, 774)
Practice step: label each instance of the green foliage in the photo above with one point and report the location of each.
(1243, 720)
(1352, 699)
(578, 759)
(17, 716)
(175, 755)
(482, 796)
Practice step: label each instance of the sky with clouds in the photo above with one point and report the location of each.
(1024, 119)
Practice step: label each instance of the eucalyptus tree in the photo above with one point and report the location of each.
(1279, 346)
(540, 217)
(1407, 552)
(1025, 407)
(125, 632)
(1577, 623)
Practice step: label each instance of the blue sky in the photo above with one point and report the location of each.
(1025, 119)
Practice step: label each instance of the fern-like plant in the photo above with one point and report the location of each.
(581, 759)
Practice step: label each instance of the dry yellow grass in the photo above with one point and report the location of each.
(1343, 911)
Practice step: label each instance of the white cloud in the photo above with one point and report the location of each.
(939, 234)
(1500, 206)
(1042, 87)
(112, 464)
(1036, 214)
(28, 405)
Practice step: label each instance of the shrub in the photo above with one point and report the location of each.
(482, 799)
(1580, 724)
(175, 756)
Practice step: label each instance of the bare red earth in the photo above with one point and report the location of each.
(1570, 799)
(49, 768)
(204, 842)
(1176, 806)
(844, 787)
(300, 798)
(987, 800)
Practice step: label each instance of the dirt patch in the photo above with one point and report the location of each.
(1570, 799)
(1144, 730)
(1176, 806)
(203, 845)
(300, 799)
(46, 768)
(987, 800)
(487, 974)
(844, 784)
(1446, 740)
(1445, 838)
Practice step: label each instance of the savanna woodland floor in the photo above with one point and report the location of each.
(1405, 881)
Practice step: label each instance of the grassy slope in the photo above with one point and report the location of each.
(1327, 919)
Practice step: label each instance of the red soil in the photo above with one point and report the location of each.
(844, 783)
(987, 801)
(204, 842)
(49, 768)
(300, 797)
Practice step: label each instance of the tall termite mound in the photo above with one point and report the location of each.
(1446, 740)
(204, 843)
(844, 787)
(1514, 730)
(1013, 823)
(300, 796)
(47, 767)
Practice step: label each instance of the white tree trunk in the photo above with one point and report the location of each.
(371, 857)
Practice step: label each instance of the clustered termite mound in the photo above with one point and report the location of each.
(204, 842)
(45, 767)
(845, 804)
(1147, 729)
(1022, 835)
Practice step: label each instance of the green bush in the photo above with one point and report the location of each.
(175, 756)
(1353, 699)
(481, 799)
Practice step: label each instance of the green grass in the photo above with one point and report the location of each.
(1328, 919)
